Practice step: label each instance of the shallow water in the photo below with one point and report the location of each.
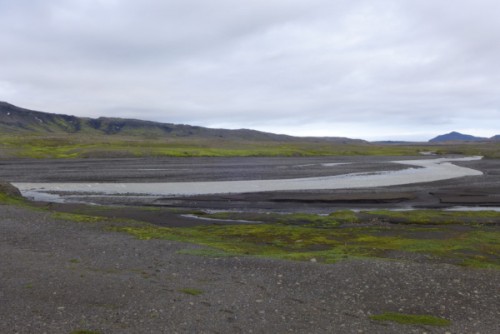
(421, 171)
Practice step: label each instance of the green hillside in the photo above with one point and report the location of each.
(27, 133)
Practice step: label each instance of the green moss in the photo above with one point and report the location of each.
(345, 216)
(435, 217)
(323, 238)
(6, 199)
(80, 218)
(74, 261)
(84, 331)
(191, 291)
(424, 217)
(476, 248)
(411, 319)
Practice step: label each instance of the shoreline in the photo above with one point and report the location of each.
(430, 170)
(473, 191)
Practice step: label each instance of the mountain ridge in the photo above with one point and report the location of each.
(14, 119)
(18, 120)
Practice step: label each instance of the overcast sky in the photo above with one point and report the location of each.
(374, 69)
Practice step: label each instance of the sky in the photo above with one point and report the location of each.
(374, 69)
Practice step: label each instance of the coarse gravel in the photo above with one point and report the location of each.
(58, 276)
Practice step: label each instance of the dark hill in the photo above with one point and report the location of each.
(455, 136)
(18, 120)
(15, 119)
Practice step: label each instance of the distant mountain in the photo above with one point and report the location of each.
(495, 138)
(456, 136)
(16, 120)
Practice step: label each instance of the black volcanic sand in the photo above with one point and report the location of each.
(58, 276)
(466, 191)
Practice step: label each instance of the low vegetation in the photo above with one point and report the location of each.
(344, 235)
(191, 291)
(469, 239)
(424, 217)
(411, 319)
(466, 246)
(98, 146)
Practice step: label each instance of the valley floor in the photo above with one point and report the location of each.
(480, 190)
(70, 268)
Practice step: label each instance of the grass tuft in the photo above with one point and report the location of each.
(411, 319)
(191, 291)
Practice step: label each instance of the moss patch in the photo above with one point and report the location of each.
(334, 237)
(10, 194)
(474, 247)
(417, 217)
(78, 217)
(411, 319)
(191, 291)
(435, 217)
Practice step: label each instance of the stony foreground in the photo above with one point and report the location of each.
(58, 277)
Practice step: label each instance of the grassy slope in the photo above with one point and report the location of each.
(33, 134)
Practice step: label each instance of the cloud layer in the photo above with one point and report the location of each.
(367, 69)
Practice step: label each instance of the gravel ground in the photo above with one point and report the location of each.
(58, 276)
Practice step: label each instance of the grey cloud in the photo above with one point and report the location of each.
(395, 67)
